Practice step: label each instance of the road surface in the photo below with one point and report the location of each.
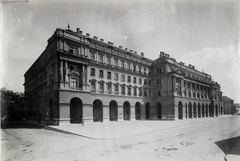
(206, 140)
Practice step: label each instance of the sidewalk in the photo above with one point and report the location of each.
(234, 153)
(113, 130)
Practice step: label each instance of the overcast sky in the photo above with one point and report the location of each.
(198, 32)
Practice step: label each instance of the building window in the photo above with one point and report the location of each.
(101, 74)
(123, 90)
(116, 76)
(109, 88)
(140, 92)
(145, 71)
(73, 82)
(129, 91)
(159, 93)
(140, 81)
(73, 50)
(128, 65)
(109, 75)
(108, 60)
(116, 89)
(134, 68)
(150, 82)
(73, 68)
(159, 82)
(129, 78)
(150, 93)
(115, 62)
(135, 92)
(145, 82)
(145, 92)
(92, 56)
(93, 87)
(134, 80)
(122, 64)
(92, 71)
(101, 88)
(101, 58)
(140, 70)
(123, 78)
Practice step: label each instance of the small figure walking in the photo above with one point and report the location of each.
(47, 118)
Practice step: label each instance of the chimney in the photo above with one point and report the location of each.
(193, 67)
(126, 49)
(110, 43)
(95, 37)
(142, 54)
(78, 29)
(131, 51)
(102, 40)
(88, 35)
(135, 52)
(189, 65)
(120, 47)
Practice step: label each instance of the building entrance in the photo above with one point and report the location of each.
(113, 107)
(180, 110)
(126, 110)
(75, 110)
(148, 110)
(194, 111)
(190, 110)
(97, 111)
(138, 110)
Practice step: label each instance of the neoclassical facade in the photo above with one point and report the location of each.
(80, 79)
(228, 105)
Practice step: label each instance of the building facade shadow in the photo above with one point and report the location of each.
(227, 144)
(19, 125)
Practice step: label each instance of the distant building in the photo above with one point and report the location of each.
(82, 79)
(237, 108)
(228, 105)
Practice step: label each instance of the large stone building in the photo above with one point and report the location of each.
(82, 79)
(228, 105)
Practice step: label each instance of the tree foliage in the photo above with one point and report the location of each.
(12, 105)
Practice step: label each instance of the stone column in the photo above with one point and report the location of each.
(191, 90)
(120, 113)
(86, 74)
(82, 50)
(87, 113)
(174, 84)
(106, 117)
(83, 74)
(182, 87)
(207, 90)
(66, 71)
(61, 70)
(132, 115)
